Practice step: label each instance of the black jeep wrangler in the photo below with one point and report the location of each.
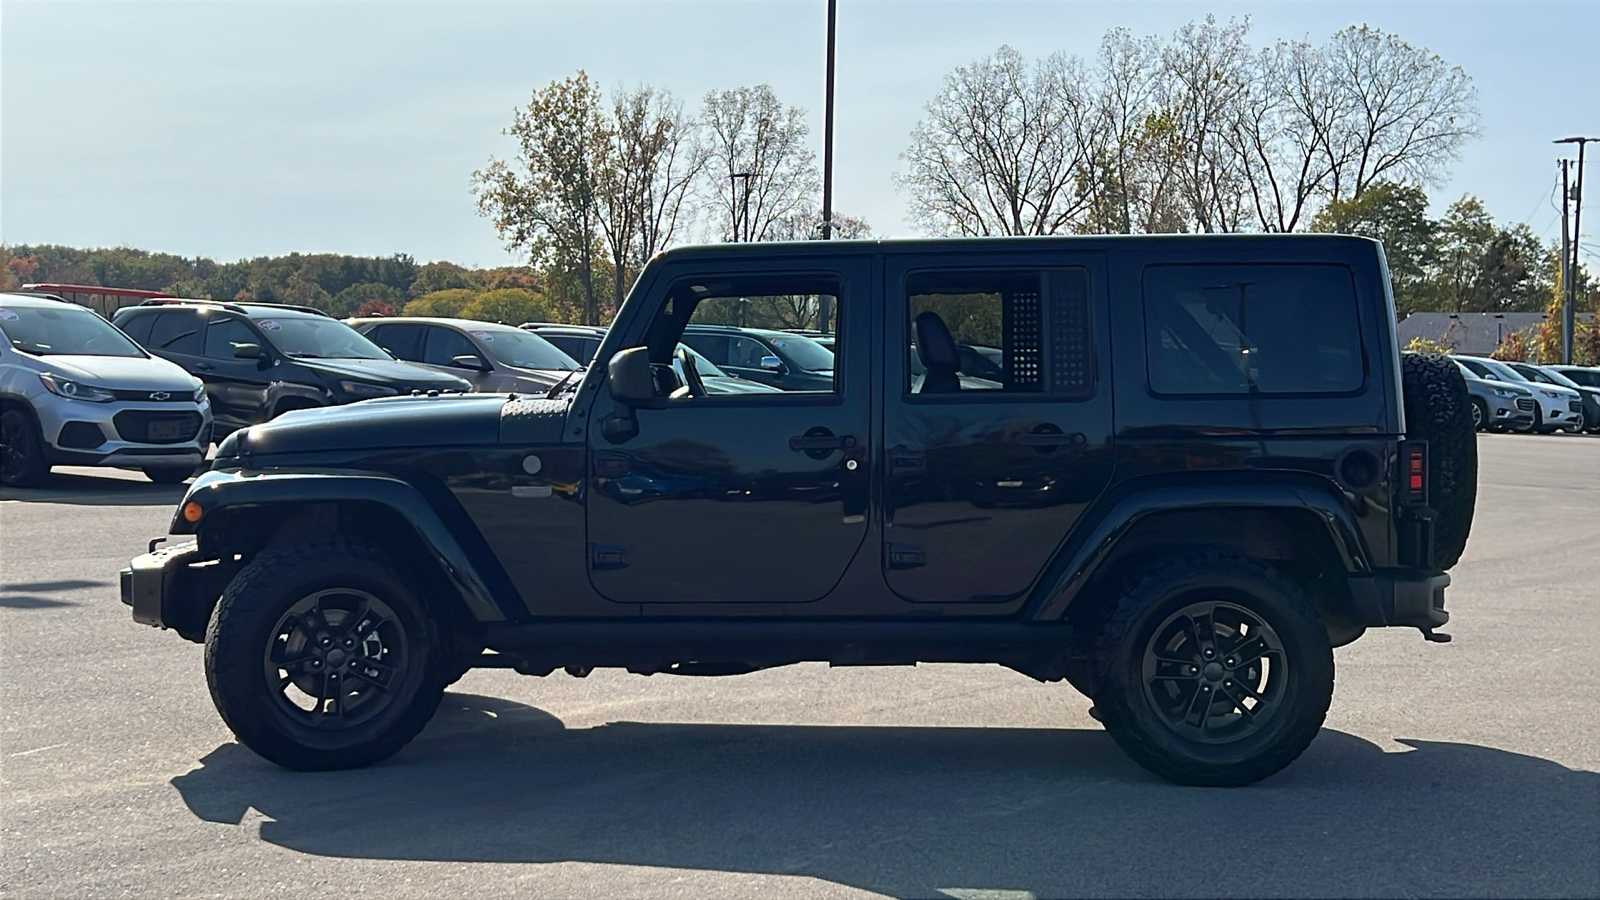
(1191, 467)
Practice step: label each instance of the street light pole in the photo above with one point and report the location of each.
(741, 233)
(827, 132)
(1566, 272)
(1569, 312)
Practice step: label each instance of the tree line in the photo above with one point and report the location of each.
(1198, 132)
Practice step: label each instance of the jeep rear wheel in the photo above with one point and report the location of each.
(319, 656)
(1215, 671)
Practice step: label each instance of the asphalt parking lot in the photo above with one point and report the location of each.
(1454, 770)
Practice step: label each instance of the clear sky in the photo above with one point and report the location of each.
(236, 129)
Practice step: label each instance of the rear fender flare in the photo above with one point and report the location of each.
(215, 491)
(1081, 557)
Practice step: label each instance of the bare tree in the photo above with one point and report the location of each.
(753, 139)
(1000, 151)
(649, 158)
(1406, 111)
(544, 202)
(1205, 77)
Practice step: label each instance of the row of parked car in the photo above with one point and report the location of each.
(155, 386)
(1517, 396)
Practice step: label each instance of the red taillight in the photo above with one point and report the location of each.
(1414, 455)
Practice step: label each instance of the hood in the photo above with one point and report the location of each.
(388, 371)
(392, 422)
(120, 373)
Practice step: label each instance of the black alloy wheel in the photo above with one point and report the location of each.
(1215, 671)
(333, 657)
(321, 656)
(22, 461)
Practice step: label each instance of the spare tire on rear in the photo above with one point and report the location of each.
(1439, 411)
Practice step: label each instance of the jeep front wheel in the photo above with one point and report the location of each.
(1216, 672)
(319, 656)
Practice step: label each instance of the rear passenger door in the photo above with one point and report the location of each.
(986, 472)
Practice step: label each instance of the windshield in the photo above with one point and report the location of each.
(803, 352)
(1551, 376)
(524, 350)
(1586, 377)
(314, 337)
(63, 331)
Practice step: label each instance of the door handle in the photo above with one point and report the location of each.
(204, 367)
(905, 459)
(822, 442)
(1048, 436)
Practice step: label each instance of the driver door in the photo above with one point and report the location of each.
(729, 498)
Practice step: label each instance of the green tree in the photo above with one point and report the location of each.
(511, 306)
(443, 304)
(1396, 215)
(544, 202)
(443, 276)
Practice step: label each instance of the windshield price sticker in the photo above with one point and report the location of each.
(269, 325)
(8, 315)
(483, 335)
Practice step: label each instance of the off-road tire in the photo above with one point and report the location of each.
(1135, 723)
(21, 465)
(1438, 410)
(168, 474)
(245, 622)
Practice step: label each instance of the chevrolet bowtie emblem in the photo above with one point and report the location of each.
(159, 395)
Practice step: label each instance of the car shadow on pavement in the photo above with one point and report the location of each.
(25, 595)
(92, 490)
(930, 812)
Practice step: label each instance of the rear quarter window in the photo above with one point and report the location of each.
(1242, 329)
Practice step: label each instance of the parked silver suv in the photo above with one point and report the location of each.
(76, 391)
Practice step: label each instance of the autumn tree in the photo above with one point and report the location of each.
(546, 202)
(758, 168)
(648, 157)
(1397, 215)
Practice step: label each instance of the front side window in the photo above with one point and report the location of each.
(746, 326)
(63, 331)
(224, 335)
(1268, 329)
(444, 345)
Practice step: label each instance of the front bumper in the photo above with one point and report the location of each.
(71, 428)
(149, 584)
(1401, 597)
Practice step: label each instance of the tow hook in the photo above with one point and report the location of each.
(1438, 637)
(154, 542)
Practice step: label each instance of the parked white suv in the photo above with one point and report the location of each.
(76, 391)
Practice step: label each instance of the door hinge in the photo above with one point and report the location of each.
(905, 556)
(608, 557)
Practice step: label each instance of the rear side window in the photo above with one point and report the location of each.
(404, 341)
(1278, 329)
(177, 331)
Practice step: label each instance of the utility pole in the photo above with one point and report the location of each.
(825, 304)
(827, 131)
(1569, 312)
(1566, 273)
(741, 232)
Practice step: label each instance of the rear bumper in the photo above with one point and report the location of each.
(1400, 597)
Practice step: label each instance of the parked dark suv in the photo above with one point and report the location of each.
(1203, 466)
(259, 360)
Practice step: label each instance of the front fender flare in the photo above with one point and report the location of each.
(216, 490)
(1079, 560)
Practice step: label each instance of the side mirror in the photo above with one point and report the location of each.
(248, 351)
(629, 376)
(772, 364)
(468, 361)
